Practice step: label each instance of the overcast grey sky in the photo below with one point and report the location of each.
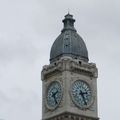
(27, 30)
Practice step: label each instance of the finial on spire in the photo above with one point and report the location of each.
(68, 22)
(68, 11)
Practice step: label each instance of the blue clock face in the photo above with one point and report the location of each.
(54, 94)
(81, 94)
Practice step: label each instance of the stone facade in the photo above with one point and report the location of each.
(66, 70)
(70, 116)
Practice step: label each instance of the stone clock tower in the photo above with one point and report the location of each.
(69, 82)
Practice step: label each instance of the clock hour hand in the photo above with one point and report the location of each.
(82, 94)
(54, 96)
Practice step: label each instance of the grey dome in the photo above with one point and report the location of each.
(69, 43)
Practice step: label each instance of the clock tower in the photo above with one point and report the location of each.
(69, 82)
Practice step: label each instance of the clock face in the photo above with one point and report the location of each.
(54, 94)
(81, 94)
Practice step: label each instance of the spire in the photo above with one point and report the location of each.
(69, 43)
(68, 23)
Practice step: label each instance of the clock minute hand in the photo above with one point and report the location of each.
(82, 94)
(54, 96)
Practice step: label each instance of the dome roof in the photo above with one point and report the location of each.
(69, 43)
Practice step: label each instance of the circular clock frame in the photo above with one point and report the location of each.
(85, 94)
(54, 95)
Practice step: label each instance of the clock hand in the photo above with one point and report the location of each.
(54, 96)
(82, 94)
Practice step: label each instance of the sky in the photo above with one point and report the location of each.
(28, 29)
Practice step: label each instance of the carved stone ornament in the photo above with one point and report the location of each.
(69, 64)
(71, 116)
